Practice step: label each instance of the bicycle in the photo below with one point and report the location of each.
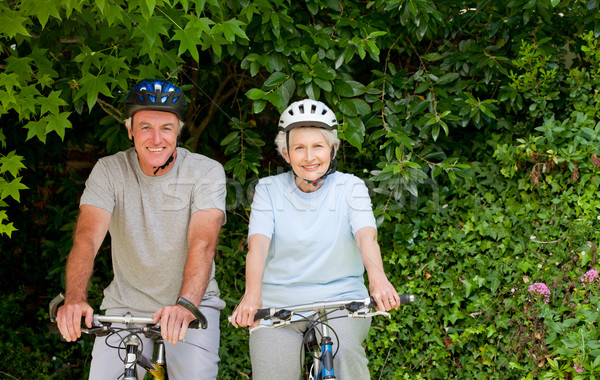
(130, 341)
(322, 352)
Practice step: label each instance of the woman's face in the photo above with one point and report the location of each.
(309, 153)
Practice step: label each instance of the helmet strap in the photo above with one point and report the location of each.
(164, 165)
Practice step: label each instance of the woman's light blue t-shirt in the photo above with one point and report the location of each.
(313, 254)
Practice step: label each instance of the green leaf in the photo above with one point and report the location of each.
(91, 86)
(569, 343)
(188, 39)
(281, 97)
(324, 84)
(231, 28)
(230, 138)
(51, 103)
(12, 189)
(58, 123)
(255, 94)
(20, 66)
(342, 88)
(347, 107)
(447, 78)
(354, 132)
(36, 129)
(432, 57)
(275, 78)
(42, 9)
(13, 25)
(7, 229)
(362, 107)
(258, 106)
(11, 163)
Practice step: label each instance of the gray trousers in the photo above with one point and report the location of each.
(196, 358)
(277, 353)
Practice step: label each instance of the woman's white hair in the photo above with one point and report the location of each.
(330, 136)
(128, 122)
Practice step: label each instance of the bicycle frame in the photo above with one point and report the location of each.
(322, 367)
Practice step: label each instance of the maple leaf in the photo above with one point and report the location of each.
(12, 189)
(36, 129)
(13, 25)
(58, 124)
(187, 41)
(52, 103)
(42, 9)
(7, 229)
(11, 163)
(232, 28)
(91, 86)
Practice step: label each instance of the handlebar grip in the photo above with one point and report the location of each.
(53, 306)
(200, 318)
(261, 313)
(404, 299)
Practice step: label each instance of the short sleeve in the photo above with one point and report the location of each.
(98, 190)
(262, 219)
(360, 212)
(210, 191)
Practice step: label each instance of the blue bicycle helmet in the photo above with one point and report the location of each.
(156, 94)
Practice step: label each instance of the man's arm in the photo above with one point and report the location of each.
(203, 234)
(90, 232)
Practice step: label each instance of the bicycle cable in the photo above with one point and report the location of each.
(313, 326)
(121, 344)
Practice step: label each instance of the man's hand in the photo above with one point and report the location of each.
(68, 319)
(174, 321)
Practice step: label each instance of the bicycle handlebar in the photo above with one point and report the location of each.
(128, 319)
(352, 306)
(360, 308)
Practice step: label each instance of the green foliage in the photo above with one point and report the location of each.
(476, 126)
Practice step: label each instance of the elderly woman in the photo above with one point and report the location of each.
(312, 233)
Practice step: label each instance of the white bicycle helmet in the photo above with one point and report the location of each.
(307, 113)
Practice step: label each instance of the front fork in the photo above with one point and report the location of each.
(157, 368)
(132, 344)
(323, 367)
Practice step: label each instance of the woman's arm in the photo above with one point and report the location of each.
(258, 248)
(379, 286)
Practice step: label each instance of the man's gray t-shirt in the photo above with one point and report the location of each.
(149, 223)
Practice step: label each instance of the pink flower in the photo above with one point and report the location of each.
(577, 368)
(539, 289)
(590, 277)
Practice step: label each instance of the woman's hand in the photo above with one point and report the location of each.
(243, 315)
(384, 293)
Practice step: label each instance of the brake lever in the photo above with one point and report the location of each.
(366, 313)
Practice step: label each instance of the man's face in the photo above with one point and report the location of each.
(155, 138)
